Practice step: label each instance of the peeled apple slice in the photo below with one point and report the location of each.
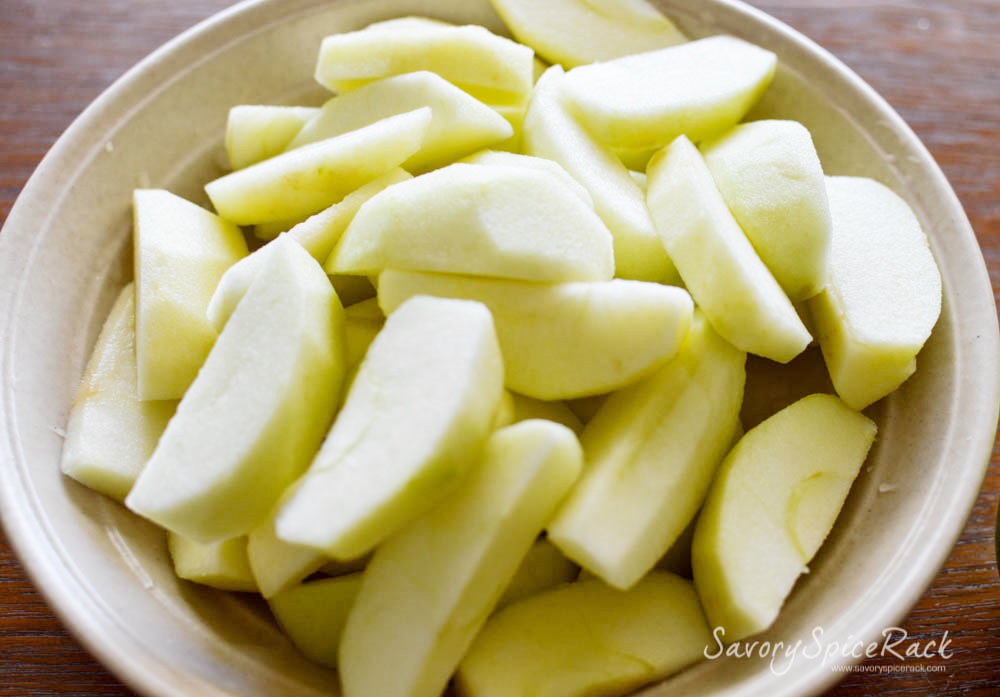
(111, 432)
(313, 615)
(576, 32)
(883, 295)
(644, 101)
(587, 638)
(565, 340)
(509, 159)
(505, 222)
(416, 418)
(257, 132)
(258, 410)
(770, 507)
(543, 567)
(428, 589)
(221, 564)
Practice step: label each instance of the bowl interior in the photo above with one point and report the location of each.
(65, 252)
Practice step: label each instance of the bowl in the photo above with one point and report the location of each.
(65, 252)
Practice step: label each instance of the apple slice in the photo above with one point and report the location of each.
(460, 124)
(651, 451)
(258, 132)
(543, 567)
(770, 507)
(298, 183)
(569, 339)
(883, 295)
(313, 615)
(180, 252)
(258, 410)
(587, 638)
(645, 101)
(428, 589)
(415, 419)
(221, 564)
(771, 178)
(727, 279)
(111, 432)
(499, 158)
(318, 235)
(549, 131)
(363, 322)
(576, 32)
(507, 222)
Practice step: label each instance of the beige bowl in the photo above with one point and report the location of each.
(64, 253)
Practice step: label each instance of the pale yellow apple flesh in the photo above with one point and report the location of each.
(771, 505)
(313, 615)
(543, 567)
(258, 132)
(428, 589)
(510, 159)
(221, 564)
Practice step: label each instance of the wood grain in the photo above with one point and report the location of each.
(938, 64)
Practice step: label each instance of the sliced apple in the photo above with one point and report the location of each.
(587, 638)
(549, 131)
(507, 222)
(221, 564)
(883, 295)
(576, 32)
(363, 322)
(417, 416)
(298, 183)
(645, 101)
(256, 414)
(111, 432)
(771, 178)
(727, 279)
(313, 615)
(258, 132)
(180, 253)
(651, 451)
(770, 507)
(429, 589)
(460, 124)
(543, 567)
(564, 340)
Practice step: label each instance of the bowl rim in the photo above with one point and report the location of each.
(48, 566)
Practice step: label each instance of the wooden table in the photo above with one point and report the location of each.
(937, 62)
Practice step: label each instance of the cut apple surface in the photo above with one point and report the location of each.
(256, 414)
(258, 132)
(544, 567)
(565, 340)
(587, 638)
(304, 181)
(719, 266)
(550, 132)
(429, 589)
(576, 32)
(506, 222)
(651, 452)
(221, 564)
(111, 432)
(509, 159)
(698, 89)
(313, 614)
(415, 419)
(883, 295)
(180, 252)
(771, 178)
(771, 505)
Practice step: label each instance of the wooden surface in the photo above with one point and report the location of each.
(937, 62)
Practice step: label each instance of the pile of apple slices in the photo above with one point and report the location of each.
(572, 263)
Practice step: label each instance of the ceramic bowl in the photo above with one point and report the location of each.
(64, 253)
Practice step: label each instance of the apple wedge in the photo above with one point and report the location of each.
(543, 567)
(587, 638)
(313, 615)
(883, 294)
(651, 451)
(564, 340)
(221, 564)
(645, 101)
(111, 432)
(500, 158)
(180, 252)
(726, 278)
(258, 410)
(576, 32)
(301, 182)
(770, 507)
(506, 222)
(460, 124)
(258, 132)
(771, 178)
(549, 131)
(363, 322)
(417, 416)
(428, 589)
